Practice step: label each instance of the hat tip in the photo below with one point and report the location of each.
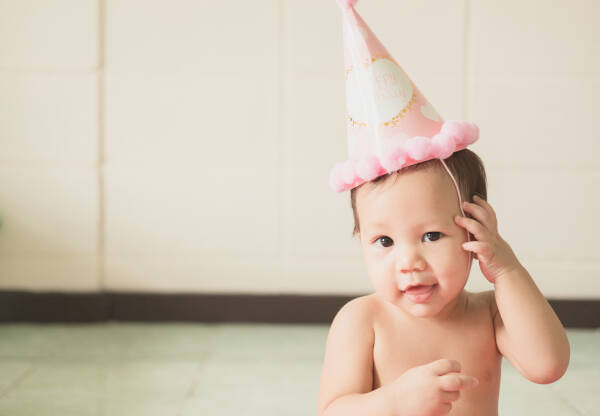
(347, 4)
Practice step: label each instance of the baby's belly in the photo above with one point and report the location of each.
(481, 400)
(478, 401)
(481, 404)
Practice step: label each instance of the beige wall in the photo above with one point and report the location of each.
(185, 145)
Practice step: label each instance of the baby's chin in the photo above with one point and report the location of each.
(439, 310)
(430, 309)
(424, 310)
(420, 311)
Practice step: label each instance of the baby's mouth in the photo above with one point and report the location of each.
(419, 293)
(419, 289)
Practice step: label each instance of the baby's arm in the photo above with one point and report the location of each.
(528, 332)
(347, 377)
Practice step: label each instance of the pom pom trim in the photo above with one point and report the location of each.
(347, 4)
(454, 136)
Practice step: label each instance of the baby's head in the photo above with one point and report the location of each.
(405, 223)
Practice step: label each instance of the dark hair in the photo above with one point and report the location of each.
(466, 167)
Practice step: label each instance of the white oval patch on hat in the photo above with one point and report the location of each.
(378, 93)
(428, 111)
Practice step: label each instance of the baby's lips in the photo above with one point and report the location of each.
(419, 288)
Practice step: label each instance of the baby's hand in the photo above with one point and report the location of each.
(495, 256)
(430, 389)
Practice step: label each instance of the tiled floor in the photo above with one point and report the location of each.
(192, 369)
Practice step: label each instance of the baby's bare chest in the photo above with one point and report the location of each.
(396, 352)
(400, 346)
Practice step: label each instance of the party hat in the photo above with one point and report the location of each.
(390, 124)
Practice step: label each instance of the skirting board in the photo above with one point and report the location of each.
(57, 307)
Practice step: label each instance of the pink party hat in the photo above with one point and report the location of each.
(390, 124)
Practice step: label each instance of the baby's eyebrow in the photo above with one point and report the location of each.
(376, 224)
(420, 225)
(432, 224)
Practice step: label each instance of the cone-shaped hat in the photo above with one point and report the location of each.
(390, 124)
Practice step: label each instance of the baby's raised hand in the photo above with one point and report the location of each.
(493, 253)
(430, 389)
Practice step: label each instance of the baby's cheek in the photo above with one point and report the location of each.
(456, 259)
(381, 279)
(377, 275)
(372, 272)
(456, 247)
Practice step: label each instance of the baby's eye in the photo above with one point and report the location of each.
(384, 241)
(432, 235)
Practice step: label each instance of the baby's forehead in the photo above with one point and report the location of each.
(431, 186)
(414, 196)
(408, 222)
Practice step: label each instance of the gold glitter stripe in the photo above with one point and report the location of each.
(394, 121)
(367, 62)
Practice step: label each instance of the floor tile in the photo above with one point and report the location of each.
(270, 342)
(137, 341)
(580, 387)
(519, 396)
(12, 372)
(28, 340)
(585, 346)
(55, 389)
(255, 388)
(183, 369)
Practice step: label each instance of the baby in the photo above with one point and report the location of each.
(422, 345)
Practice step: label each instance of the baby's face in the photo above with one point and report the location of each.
(409, 237)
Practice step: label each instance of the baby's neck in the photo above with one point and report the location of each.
(452, 311)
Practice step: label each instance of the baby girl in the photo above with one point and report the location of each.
(421, 345)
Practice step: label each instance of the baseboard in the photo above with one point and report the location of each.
(55, 307)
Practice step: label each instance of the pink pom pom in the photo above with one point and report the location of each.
(418, 147)
(346, 4)
(471, 133)
(463, 133)
(368, 168)
(348, 174)
(394, 159)
(443, 146)
(335, 181)
(454, 130)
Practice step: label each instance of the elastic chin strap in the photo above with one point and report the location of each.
(461, 210)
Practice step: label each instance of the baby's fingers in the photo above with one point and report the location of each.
(444, 366)
(455, 382)
(450, 396)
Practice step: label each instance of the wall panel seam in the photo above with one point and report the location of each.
(101, 265)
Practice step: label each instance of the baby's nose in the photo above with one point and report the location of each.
(408, 261)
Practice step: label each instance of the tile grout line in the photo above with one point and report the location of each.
(191, 391)
(567, 401)
(197, 375)
(24, 375)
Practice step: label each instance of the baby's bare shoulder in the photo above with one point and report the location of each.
(354, 319)
(359, 310)
(482, 303)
